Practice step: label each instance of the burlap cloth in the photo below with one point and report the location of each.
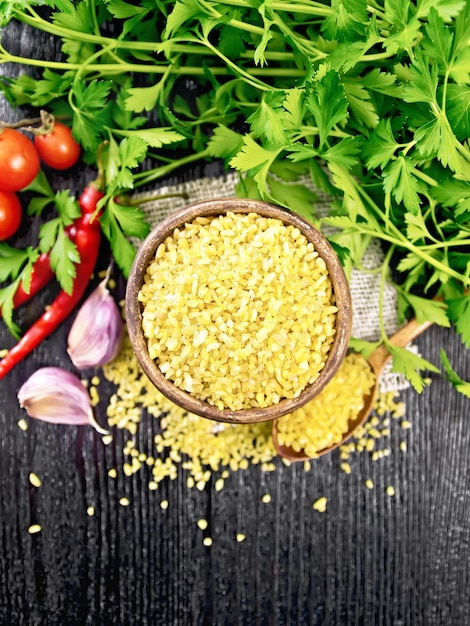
(364, 286)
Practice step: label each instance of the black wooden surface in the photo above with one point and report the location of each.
(368, 559)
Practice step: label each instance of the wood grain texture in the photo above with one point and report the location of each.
(368, 559)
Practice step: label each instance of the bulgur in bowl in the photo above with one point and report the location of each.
(238, 310)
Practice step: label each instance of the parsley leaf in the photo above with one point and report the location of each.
(346, 20)
(428, 309)
(459, 314)
(119, 222)
(400, 181)
(326, 100)
(461, 385)
(91, 112)
(256, 161)
(224, 143)
(381, 146)
(410, 364)
(268, 119)
(121, 159)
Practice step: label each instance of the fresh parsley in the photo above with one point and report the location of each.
(370, 100)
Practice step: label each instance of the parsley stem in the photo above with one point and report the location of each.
(110, 69)
(400, 239)
(306, 8)
(142, 178)
(383, 281)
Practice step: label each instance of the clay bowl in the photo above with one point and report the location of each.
(145, 256)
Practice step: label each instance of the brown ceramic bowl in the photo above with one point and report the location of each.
(145, 256)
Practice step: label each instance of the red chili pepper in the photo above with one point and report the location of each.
(42, 273)
(86, 233)
(89, 198)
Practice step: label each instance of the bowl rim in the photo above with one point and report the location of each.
(220, 206)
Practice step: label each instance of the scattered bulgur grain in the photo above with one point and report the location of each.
(112, 473)
(266, 499)
(257, 301)
(405, 424)
(182, 433)
(390, 491)
(94, 396)
(107, 439)
(207, 541)
(403, 446)
(369, 483)
(346, 468)
(202, 523)
(34, 528)
(240, 537)
(153, 485)
(22, 424)
(124, 501)
(219, 484)
(34, 479)
(320, 504)
(90, 511)
(164, 504)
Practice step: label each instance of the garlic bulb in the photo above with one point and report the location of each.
(54, 395)
(95, 337)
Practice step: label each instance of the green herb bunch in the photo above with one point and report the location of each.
(370, 101)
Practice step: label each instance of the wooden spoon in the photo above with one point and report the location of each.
(377, 361)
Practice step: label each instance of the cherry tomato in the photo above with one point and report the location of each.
(11, 214)
(57, 148)
(19, 160)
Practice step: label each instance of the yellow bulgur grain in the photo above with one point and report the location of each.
(202, 524)
(390, 491)
(124, 501)
(232, 301)
(90, 511)
(405, 424)
(240, 537)
(34, 479)
(369, 483)
(107, 439)
(219, 484)
(153, 485)
(164, 504)
(346, 468)
(112, 473)
(22, 424)
(324, 420)
(403, 446)
(94, 396)
(266, 499)
(34, 528)
(207, 541)
(320, 504)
